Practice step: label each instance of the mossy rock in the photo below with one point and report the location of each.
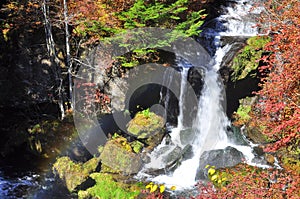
(147, 126)
(120, 159)
(246, 61)
(74, 174)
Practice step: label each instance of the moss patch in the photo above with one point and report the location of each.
(106, 187)
(247, 59)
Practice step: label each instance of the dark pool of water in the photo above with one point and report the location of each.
(18, 183)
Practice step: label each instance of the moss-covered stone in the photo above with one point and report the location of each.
(247, 59)
(74, 174)
(120, 158)
(147, 126)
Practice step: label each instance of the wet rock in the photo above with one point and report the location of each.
(115, 89)
(173, 156)
(259, 151)
(119, 159)
(187, 152)
(160, 160)
(220, 158)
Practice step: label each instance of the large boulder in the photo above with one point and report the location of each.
(120, 159)
(220, 158)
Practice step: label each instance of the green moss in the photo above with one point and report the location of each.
(136, 146)
(243, 112)
(247, 60)
(107, 188)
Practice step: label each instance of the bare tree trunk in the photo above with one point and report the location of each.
(68, 56)
(52, 54)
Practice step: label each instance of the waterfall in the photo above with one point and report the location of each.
(184, 75)
(210, 124)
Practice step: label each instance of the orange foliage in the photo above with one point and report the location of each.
(26, 14)
(279, 106)
(96, 17)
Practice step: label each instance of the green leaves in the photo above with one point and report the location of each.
(163, 15)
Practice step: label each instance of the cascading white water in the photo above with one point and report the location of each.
(184, 75)
(211, 122)
(209, 126)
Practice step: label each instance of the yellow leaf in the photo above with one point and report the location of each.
(173, 188)
(149, 186)
(153, 188)
(214, 178)
(211, 171)
(162, 188)
(207, 166)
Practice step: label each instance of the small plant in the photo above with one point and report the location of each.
(154, 191)
(218, 178)
(154, 187)
(146, 113)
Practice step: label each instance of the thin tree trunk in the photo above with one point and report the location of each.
(52, 54)
(68, 56)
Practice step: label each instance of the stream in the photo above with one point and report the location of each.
(209, 126)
